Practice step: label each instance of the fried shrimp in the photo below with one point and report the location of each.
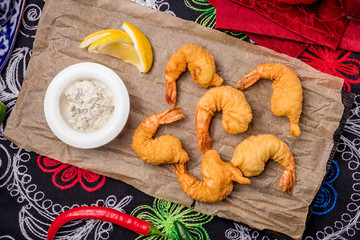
(236, 113)
(200, 63)
(163, 149)
(218, 177)
(251, 155)
(287, 97)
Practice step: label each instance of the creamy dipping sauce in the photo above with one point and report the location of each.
(87, 105)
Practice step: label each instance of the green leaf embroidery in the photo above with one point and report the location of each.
(163, 213)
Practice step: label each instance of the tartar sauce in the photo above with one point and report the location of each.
(89, 105)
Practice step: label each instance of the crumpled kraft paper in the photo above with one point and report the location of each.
(261, 205)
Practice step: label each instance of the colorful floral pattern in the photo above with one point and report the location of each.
(241, 232)
(10, 19)
(163, 213)
(4, 45)
(338, 63)
(66, 176)
(34, 207)
(327, 196)
(207, 17)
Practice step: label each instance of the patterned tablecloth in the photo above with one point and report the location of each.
(35, 189)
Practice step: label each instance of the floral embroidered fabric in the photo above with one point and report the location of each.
(35, 189)
(66, 176)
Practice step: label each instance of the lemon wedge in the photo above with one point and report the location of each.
(109, 40)
(115, 46)
(97, 35)
(142, 47)
(130, 45)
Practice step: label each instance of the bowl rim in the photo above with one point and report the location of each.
(62, 129)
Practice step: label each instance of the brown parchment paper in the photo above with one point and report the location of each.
(261, 205)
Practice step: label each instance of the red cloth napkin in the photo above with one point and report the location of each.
(289, 28)
(352, 8)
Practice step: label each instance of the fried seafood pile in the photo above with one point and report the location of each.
(250, 155)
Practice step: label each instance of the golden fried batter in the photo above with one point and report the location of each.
(163, 149)
(200, 63)
(218, 178)
(287, 97)
(251, 155)
(236, 113)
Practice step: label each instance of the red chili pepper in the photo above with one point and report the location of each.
(106, 214)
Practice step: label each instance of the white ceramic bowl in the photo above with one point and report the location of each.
(58, 124)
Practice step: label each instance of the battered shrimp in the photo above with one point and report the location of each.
(218, 178)
(251, 155)
(287, 97)
(200, 63)
(163, 149)
(236, 113)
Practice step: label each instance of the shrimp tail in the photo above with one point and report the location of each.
(202, 120)
(171, 92)
(179, 168)
(170, 115)
(186, 180)
(204, 141)
(248, 80)
(287, 180)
